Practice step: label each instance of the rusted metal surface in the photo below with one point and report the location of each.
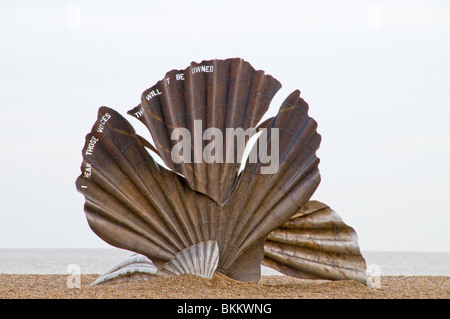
(174, 215)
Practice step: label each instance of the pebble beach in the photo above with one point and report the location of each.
(28, 286)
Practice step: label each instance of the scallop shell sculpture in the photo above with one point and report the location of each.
(198, 216)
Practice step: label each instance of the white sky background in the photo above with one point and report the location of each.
(376, 75)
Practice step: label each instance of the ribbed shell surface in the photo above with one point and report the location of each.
(315, 243)
(223, 94)
(200, 259)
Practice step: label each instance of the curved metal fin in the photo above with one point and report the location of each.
(265, 199)
(315, 243)
(135, 267)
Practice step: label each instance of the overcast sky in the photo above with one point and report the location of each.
(376, 75)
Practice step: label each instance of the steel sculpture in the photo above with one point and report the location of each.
(202, 214)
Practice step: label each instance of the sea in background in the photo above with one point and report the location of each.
(97, 261)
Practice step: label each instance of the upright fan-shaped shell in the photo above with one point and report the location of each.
(200, 217)
(262, 202)
(223, 94)
(134, 203)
